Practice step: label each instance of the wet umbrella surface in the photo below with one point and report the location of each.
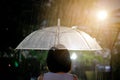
(72, 39)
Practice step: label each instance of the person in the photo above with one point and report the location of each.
(59, 65)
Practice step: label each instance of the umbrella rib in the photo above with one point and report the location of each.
(84, 39)
(34, 34)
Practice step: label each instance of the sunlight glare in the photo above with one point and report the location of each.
(102, 15)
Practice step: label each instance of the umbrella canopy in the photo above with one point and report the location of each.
(46, 38)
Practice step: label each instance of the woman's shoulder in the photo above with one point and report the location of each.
(75, 77)
(40, 77)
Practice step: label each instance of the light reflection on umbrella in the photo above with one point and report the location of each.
(72, 39)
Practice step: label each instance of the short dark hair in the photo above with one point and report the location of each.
(58, 60)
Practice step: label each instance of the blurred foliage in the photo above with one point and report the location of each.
(115, 58)
(115, 48)
(88, 61)
(89, 58)
(37, 55)
(40, 56)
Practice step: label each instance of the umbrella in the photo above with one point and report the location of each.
(72, 39)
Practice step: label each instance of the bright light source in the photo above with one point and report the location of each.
(73, 56)
(102, 15)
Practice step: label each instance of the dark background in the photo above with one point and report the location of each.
(11, 16)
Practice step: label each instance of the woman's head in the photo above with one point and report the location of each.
(58, 60)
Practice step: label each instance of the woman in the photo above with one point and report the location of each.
(59, 64)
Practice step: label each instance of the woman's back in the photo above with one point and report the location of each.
(58, 76)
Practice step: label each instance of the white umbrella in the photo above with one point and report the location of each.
(72, 39)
